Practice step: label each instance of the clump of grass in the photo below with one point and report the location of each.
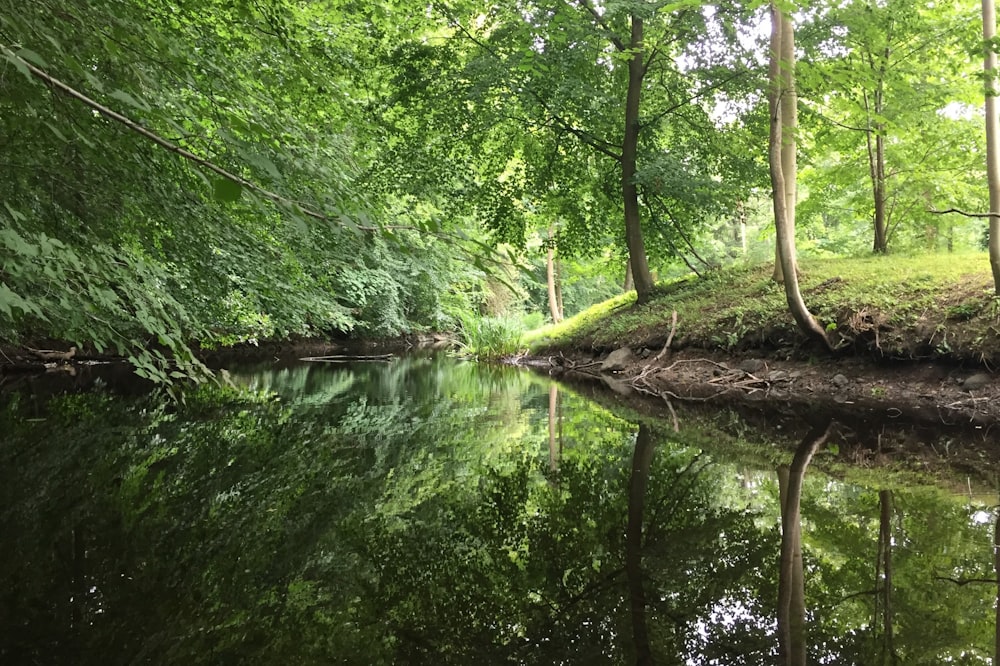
(490, 337)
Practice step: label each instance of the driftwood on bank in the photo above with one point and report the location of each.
(50, 355)
(347, 358)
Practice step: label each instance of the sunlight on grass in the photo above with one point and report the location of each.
(568, 328)
(741, 306)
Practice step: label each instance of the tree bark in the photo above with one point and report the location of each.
(876, 155)
(630, 146)
(992, 138)
(559, 291)
(642, 459)
(791, 581)
(789, 126)
(550, 273)
(777, 98)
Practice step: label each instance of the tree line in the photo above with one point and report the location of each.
(209, 173)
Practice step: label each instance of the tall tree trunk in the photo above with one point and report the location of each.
(550, 274)
(642, 459)
(559, 292)
(630, 146)
(875, 142)
(789, 111)
(778, 96)
(791, 581)
(992, 138)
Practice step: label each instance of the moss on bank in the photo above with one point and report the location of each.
(890, 307)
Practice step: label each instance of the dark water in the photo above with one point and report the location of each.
(429, 511)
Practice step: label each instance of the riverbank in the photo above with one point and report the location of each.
(917, 338)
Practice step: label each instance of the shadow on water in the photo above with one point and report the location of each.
(433, 511)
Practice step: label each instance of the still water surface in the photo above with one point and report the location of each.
(433, 511)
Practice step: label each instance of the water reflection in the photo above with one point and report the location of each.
(432, 511)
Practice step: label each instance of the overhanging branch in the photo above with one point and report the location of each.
(69, 91)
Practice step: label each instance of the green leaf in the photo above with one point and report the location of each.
(20, 66)
(32, 57)
(227, 191)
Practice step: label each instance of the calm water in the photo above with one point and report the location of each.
(431, 511)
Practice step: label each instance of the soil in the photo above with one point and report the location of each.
(926, 392)
(928, 417)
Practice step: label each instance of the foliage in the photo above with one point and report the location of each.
(490, 337)
(376, 154)
(114, 243)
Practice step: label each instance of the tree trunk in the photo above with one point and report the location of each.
(642, 459)
(630, 146)
(875, 142)
(992, 139)
(550, 274)
(791, 581)
(629, 282)
(559, 292)
(789, 126)
(777, 98)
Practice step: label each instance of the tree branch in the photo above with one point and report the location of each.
(65, 89)
(965, 581)
(962, 212)
(619, 44)
(598, 144)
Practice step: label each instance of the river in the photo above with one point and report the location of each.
(429, 510)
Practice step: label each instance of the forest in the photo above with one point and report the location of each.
(181, 176)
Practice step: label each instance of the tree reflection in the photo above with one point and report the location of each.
(642, 458)
(422, 513)
(791, 582)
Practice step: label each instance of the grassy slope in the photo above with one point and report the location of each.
(929, 306)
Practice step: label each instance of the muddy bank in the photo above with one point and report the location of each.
(50, 366)
(848, 388)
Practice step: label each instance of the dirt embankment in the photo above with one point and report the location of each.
(929, 392)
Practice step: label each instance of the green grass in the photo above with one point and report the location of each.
(928, 304)
(490, 337)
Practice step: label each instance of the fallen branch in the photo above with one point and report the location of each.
(673, 414)
(666, 348)
(52, 355)
(347, 359)
(697, 360)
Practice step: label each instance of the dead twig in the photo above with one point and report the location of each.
(673, 415)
